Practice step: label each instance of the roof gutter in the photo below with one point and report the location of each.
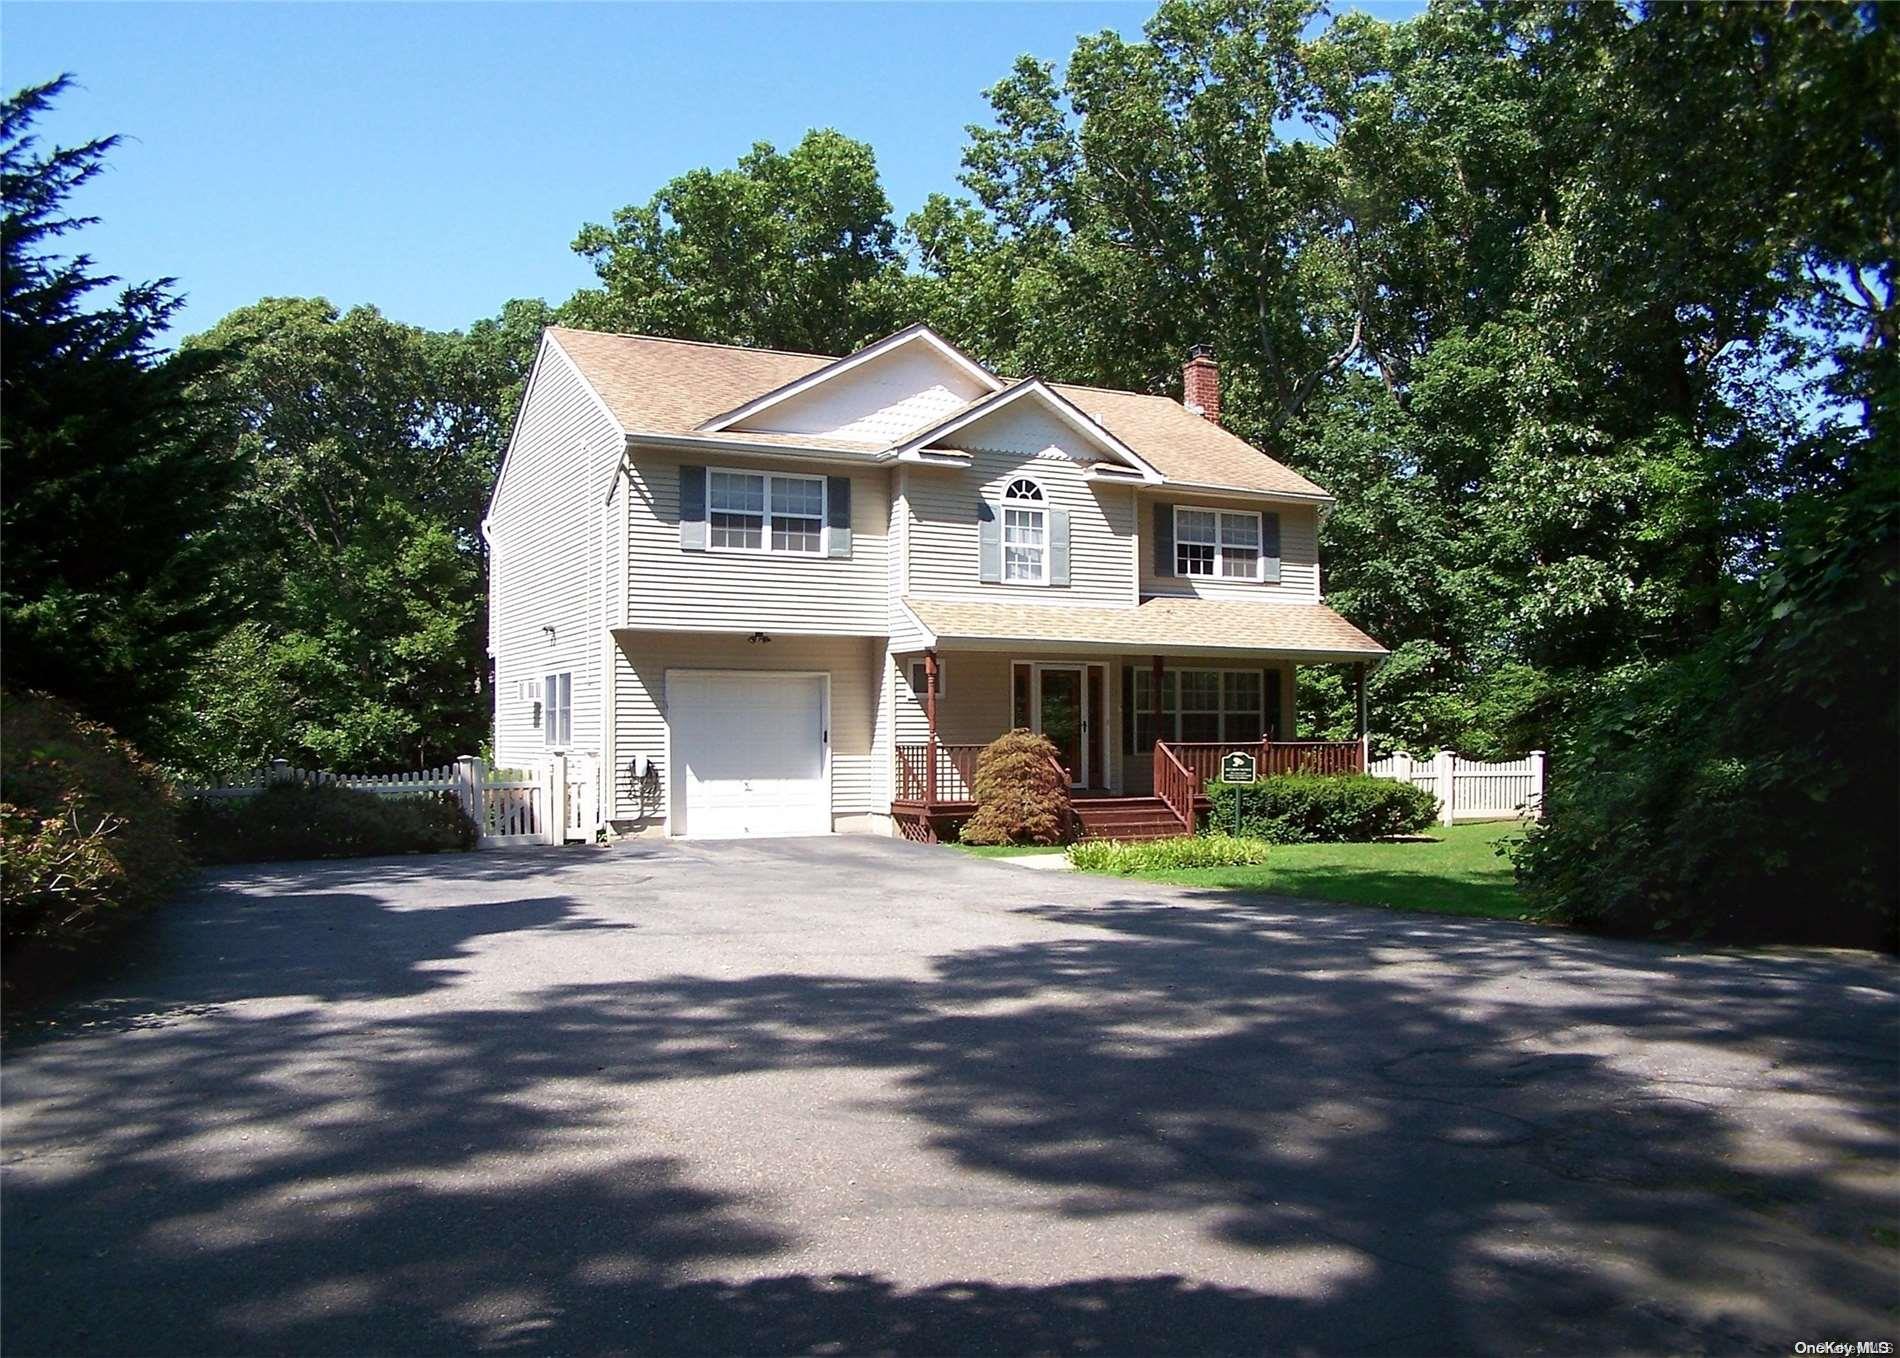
(702, 443)
(1301, 655)
(1301, 497)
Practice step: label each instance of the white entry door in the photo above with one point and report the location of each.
(748, 754)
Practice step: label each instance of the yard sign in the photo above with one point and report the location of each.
(1239, 767)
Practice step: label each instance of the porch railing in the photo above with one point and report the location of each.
(956, 772)
(1176, 784)
(1202, 758)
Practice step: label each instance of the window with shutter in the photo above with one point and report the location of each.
(1217, 543)
(767, 512)
(1025, 534)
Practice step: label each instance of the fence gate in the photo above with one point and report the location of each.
(513, 807)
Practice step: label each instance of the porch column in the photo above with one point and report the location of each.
(1160, 668)
(1359, 701)
(930, 717)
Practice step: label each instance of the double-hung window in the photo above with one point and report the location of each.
(798, 514)
(759, 511)
(557, 710)
(1025, 534)
(736, 504)
(1199, 705)
(1217, 543)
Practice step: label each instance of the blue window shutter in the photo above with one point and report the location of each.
(1164, 539)
(989, 543)
(692, 509)
(1058, 546)
(838, 516)
(1270, 548)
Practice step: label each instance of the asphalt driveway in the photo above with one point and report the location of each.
(858, 1096)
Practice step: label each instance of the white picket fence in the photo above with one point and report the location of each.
(555, 801)
(1469, 790)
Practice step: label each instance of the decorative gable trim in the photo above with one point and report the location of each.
(917, 449)
(914, 334)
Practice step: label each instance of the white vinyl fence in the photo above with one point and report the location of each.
(555, 801)
(1469, 790)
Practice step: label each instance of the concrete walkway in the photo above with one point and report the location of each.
(857, 1096)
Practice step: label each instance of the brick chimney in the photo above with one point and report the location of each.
(1200, 382)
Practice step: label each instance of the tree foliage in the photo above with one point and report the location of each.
(784, 251)
(353, 542)
(110, 488)
(1550, 296)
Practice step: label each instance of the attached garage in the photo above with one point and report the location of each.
(750, 753)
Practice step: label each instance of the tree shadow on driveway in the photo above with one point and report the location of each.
(1388, 1135)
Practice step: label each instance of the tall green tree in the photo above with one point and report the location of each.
(1552, 296)
(787, 250)
(110, 485)
(354, 541)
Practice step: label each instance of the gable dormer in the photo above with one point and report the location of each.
(1030, 419)
(905, 382)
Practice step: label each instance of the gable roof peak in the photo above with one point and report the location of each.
(917, 332)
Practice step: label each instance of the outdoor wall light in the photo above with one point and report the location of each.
(549, 629)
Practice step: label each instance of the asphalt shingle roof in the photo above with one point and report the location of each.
(664, 386)
(1154, 624)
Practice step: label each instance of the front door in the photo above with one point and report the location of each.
(1063, 715)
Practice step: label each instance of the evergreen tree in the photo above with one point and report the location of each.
(110, 491)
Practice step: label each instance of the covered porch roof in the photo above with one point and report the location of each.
(1310, 633)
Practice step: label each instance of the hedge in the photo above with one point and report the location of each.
(88, 830)
(1304, 808)
(295, 820)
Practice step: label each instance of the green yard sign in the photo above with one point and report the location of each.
(1239, 767)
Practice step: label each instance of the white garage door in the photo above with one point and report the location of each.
(748, 755)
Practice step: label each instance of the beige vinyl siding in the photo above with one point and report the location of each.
(860, 784)
(1299, 554)
(545, 565)
(770, 592)
(941, 526)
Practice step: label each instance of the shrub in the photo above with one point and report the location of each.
(1304, 808)
(295, 820)
(1020, 798)
(88, 829)
(1168, 855)
(1747, 790)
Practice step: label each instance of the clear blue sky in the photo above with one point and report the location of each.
(437, 160)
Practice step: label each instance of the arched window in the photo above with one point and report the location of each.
(1025, 533)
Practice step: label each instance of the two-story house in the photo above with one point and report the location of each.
(779, 593)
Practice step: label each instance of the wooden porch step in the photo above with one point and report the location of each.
(1129, 818)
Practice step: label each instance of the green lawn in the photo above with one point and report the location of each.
(1005, 850)
(1457, 873)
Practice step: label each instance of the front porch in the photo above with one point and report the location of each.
(1128, 778)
